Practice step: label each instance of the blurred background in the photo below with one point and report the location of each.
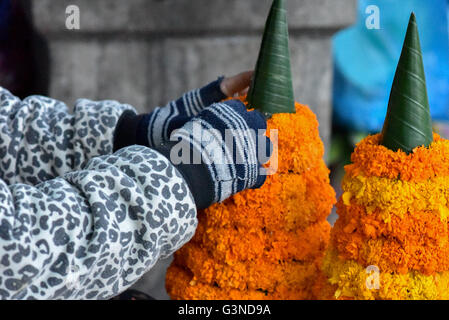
(147, 52)
(365, 57)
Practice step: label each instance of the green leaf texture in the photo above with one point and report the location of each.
(271, 90)
(408, 123)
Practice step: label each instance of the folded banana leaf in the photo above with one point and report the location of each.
(408, 123)
(271, 90)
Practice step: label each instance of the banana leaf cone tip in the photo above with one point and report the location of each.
(408, 123)
(271, 89)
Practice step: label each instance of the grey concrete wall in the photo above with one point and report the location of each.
(147, 52)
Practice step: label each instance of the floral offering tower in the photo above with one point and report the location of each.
(266, 243)
(391, 238)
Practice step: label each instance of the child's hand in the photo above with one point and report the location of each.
(155, 128)
(223, 166)
(237, 85)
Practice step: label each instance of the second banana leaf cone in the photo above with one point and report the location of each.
(408, 123)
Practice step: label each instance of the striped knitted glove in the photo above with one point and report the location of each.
(220, 151)
(154, 128)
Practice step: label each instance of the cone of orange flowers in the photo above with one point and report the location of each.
(266, 243)
(391, 238)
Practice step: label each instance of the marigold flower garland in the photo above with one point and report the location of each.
(392, 215)
(266, 243)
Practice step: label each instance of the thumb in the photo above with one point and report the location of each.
(235, 84)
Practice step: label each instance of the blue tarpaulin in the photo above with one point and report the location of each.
(365, 61)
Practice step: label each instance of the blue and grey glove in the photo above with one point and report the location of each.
(154, 128)
(220, 152)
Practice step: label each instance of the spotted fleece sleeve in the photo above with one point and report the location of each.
(40, 139)
(93, 222)
(90, 234)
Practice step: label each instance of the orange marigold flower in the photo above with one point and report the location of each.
(372, 159)
(415, 242)
(266, 243)
(182, 287)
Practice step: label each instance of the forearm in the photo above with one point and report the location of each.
(92, 233)
(41, 140)
(154, 128)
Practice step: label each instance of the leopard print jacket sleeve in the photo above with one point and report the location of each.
(77, 222)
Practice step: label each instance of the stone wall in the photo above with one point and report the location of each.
(147, 52)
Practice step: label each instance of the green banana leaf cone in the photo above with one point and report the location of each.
(271, 90)
(408, 123)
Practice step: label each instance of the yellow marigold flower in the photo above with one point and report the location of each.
(393, 215)
(396, 196)
(352, 280)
